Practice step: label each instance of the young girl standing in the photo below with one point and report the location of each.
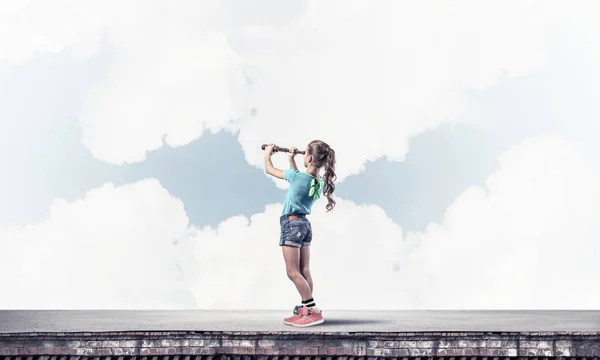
(296, 231)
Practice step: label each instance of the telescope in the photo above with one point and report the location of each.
(281, 149)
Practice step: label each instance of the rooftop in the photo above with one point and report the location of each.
(16, 321)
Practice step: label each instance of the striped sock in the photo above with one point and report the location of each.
(309, 303)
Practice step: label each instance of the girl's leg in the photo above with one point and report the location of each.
(291, 255)
(305, 266)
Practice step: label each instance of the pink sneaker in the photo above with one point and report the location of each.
(309, 316)
(289, 320)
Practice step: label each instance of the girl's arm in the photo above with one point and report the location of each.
(269, 168)
(292, 159)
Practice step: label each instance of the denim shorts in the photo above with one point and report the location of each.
(295, 230)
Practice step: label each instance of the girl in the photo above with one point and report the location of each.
(296, 232)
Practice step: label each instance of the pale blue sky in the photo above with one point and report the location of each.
(49, 162)
(87, 86)
(44, 159)
(44, 156)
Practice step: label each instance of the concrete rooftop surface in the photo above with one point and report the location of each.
(15, 321)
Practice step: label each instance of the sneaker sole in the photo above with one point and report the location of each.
(288, 323)
(310, 324)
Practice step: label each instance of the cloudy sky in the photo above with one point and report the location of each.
(465, 131)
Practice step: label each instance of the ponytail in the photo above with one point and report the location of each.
(324, 157)
(329, 177)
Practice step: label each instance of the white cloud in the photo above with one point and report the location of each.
(516, 243)
(169, 80)
(112, 249)
(524, 241)
(169, 73)
(242, 256)
(28, 27)
(364, 79)
(364, 76)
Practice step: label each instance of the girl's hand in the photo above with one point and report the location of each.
(269, 150)
(292, 152)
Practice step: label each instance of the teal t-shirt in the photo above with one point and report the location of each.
(297, 199)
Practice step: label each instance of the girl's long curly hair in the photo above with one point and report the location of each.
(324, 157)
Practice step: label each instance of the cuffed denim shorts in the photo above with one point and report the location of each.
(295, 230)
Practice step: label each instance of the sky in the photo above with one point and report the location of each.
(465, 134)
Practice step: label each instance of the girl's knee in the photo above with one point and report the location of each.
(293, 275)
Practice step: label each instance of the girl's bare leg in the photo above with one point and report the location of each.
(305, 266)
(291, 256)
